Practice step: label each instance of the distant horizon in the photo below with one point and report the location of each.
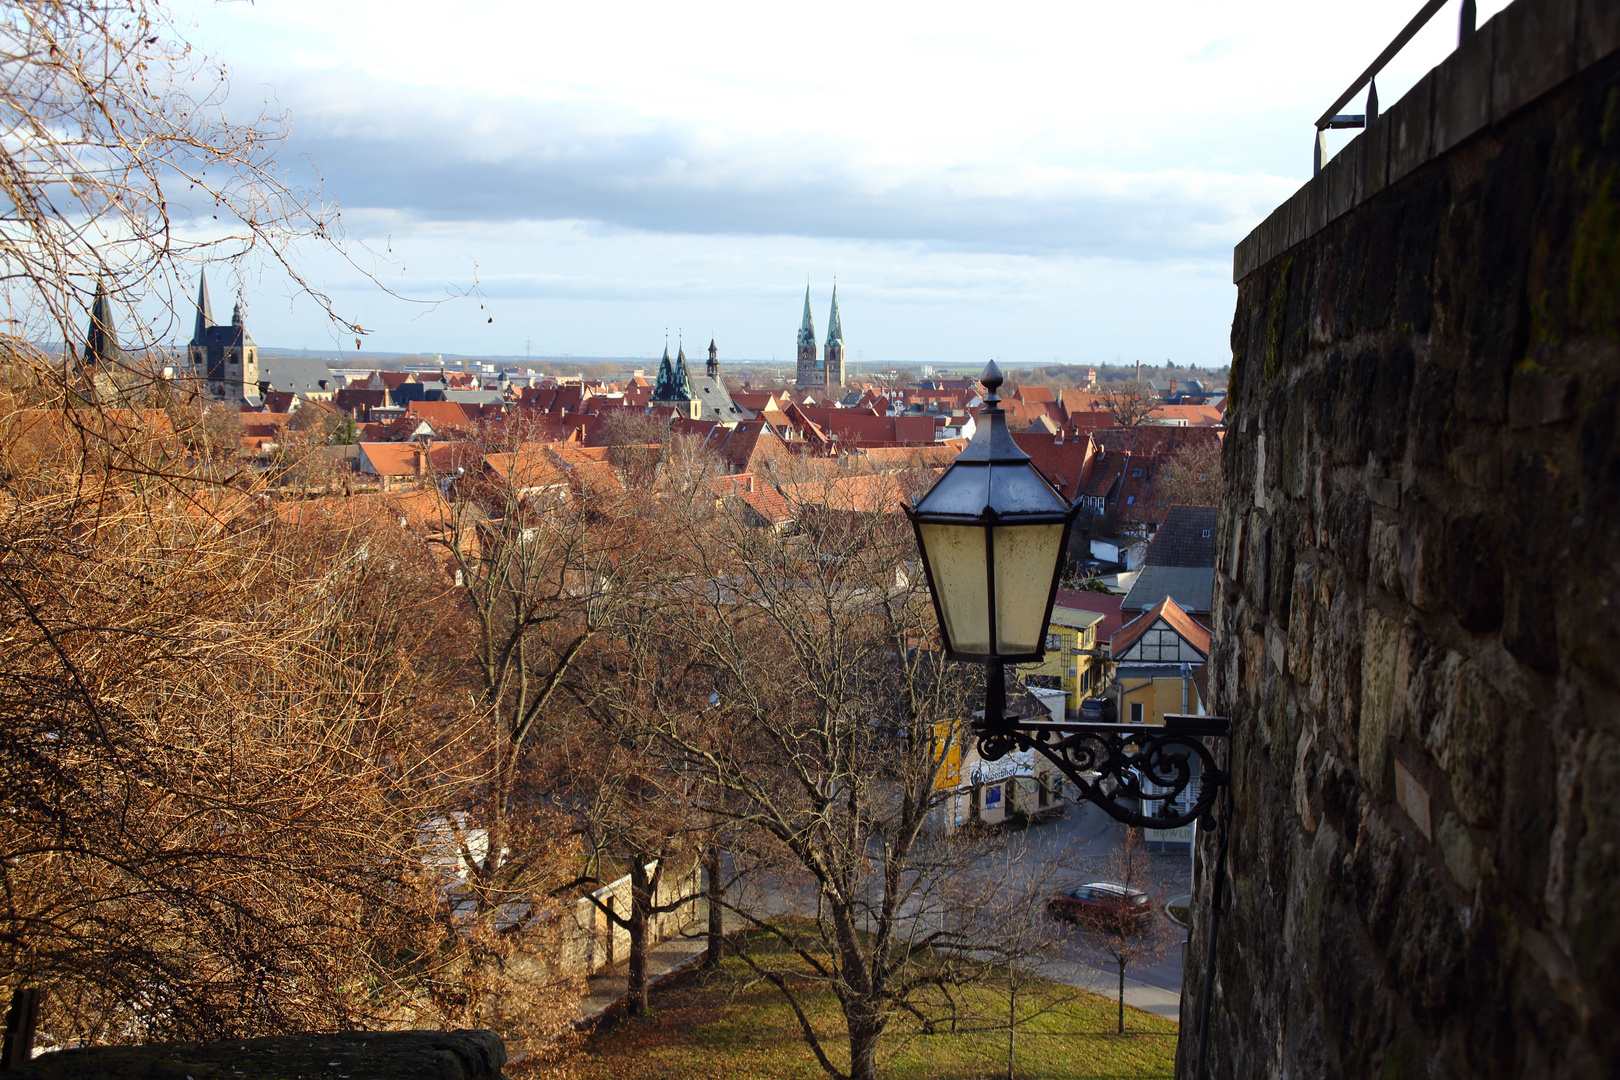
(1045, 181)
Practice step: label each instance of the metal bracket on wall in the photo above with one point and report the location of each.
(1109, 764)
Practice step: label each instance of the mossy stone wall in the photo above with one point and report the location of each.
(1417, 620)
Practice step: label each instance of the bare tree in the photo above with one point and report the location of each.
(818, 643)
(211, 779)
(1131, 935)
(1131, 403)
(1191, 476)
(1004, 907)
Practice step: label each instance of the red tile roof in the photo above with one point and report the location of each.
(1067, 465)
(1105, 604)
(1178, 620)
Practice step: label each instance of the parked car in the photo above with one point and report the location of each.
(1101, 905)
(1098, 710)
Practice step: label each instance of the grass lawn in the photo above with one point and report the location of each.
(718, 1025)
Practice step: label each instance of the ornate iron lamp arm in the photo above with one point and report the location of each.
(1109, 764)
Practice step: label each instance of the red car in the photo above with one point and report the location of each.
(1100, 905)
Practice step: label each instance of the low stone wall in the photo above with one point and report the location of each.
(1417, 622)
(375, 1055)
(593, 942)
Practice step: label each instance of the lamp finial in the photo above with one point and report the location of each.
(991, 377)
(992, 380)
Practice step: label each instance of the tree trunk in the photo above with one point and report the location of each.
(1122, 997)
(1012, 1024)
(640, 902)
(863, 1043)
(717, 910)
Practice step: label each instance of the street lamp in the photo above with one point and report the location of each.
(992, 533)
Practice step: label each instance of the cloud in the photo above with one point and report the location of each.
(434, 157)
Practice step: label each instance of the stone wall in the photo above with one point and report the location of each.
(1418, 623)
(354, 1055)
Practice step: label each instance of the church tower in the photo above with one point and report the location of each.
(713, 368)
(834, 353)
(225, 358)
(811, 375)
(101, 342)
(673, 390)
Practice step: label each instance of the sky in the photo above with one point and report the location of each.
(1033, 182)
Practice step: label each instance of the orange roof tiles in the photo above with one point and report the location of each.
(1178, 620)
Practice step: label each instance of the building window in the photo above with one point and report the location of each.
(1054, 642)
(1136, 712)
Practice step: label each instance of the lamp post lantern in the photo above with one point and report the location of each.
(992, 532)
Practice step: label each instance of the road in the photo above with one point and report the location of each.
(1078, 844)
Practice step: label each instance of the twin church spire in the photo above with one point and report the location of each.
(824, 372)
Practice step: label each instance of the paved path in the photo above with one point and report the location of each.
(1138, 995)
(609, 986)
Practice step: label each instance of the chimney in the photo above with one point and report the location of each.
(421, 461)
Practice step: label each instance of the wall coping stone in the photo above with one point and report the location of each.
(1529, 49)
(358, 1055)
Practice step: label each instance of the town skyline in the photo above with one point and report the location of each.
(1078, 197)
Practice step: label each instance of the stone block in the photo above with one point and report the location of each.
(1536, 53)
(1413, 799)
(1339, 181)
(1316, 207)
(1462, 90)
(1540, 398)
(1381, 694)
(1458, 849)
(1299, 217)
(1595, 891)
(1474, 552)
(1411, 129)
(362, 1055)
(1301, 617)
(1465, 737)
(1384, 556)
(1372, 173)
(1598, 33)
(1423, 555)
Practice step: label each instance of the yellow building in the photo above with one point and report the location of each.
(1070, 666)
(992, 792)
(1157, 655)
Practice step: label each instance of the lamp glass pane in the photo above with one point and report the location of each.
(1026, 559)
(956, 556)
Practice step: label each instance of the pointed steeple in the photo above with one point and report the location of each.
(713, 368)
(205, 311)
(673, 382)
(807, 326)
(835, 325)
(101, 342)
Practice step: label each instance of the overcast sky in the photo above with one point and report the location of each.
(1028, 181)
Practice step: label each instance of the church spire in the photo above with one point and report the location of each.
(713, 368)
(205, 311)
(673, 382)
(835, 325)
(807, 327)
(101, 343)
